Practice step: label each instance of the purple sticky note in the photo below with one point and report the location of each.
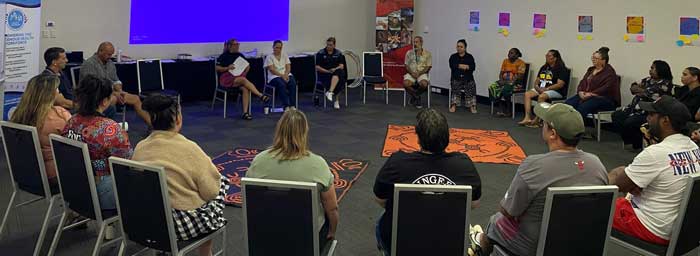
(504, 19)
(539, 20)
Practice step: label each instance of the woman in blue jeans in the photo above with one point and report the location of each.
(599, 90)
(279, 75)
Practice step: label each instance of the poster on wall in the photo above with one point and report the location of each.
(474, 20)
(635, 29)
(504, 23)
(539, 24)
(585, 28)
(21, 53)
(689, 31)
(394, 37)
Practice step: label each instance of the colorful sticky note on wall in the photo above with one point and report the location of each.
(680, 43)
(504, 19)
(539, 20)
(689, 26)
(626, 37)
(635, 25)
(695, 37)
(579, 37)
(589, 37)
(640, 38)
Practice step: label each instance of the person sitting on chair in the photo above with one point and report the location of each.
(689, 93)
(36, 108)
(103, 136)
(330, 67)
(289, 158)
(462, 68)
(224, 66)
(599, 89)
(552, 82)
(655, 180)
(195, 186)
(279, 75)
(510, 80)
(101, 66)
(55, 58)
(516, 227)
(431, 165)
(630, 119)
(418, 65)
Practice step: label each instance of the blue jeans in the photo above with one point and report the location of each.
(105, 193)
(286, 91)
(591, 106)
(381, 244)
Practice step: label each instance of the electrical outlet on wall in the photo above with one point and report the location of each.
(45, 33)
(52, 33)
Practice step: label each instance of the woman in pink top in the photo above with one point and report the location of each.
(36, 108)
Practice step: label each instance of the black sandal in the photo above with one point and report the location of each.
(264, 98)
(247, 116)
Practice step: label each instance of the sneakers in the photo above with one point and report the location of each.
(475, 246)
(418, 102)
(329, 96)
(336, 105)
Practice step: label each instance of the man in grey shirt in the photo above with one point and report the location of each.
(516, 227)
(101, 66)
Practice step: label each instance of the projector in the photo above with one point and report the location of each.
(184, 57)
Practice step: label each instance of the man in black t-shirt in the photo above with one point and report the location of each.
(431, 165)
(224, 64)
(330, 67)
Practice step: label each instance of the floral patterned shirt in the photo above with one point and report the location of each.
(104, 138)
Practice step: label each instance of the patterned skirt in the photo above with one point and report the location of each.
(203, 220)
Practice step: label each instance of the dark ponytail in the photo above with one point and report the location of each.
(163, 110)
(90, 93)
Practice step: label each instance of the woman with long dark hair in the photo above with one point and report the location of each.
(462, 78)
(551, 82)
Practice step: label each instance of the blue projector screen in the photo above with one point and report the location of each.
(207, 21)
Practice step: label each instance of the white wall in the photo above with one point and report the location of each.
(447, 21)
(82, 24)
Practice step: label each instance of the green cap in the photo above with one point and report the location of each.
(563, 118)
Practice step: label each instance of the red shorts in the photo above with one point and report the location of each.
(626, 221)
(227, 80)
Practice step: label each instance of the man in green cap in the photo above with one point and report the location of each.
(516, 226)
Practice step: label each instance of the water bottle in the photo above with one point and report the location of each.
(119, 55)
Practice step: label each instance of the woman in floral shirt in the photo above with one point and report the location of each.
(103, 136)
(630, 118)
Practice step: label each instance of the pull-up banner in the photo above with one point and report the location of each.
(394, 37)
(20, 57)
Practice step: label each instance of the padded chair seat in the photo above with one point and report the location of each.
(654, 248)
(374, 79)
(39, 191)
(164, 92)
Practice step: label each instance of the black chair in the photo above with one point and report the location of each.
(144, 209)
(149, 74)
(235, 92)
(373, 73)
(525, 82)
(28, 174)
(430, 219)
(320, 88)
(686, 229)
(264, 200)
(273, 95)
(77, 183)
(576, 219)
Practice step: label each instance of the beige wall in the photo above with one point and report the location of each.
(82, 24)
(446, 21)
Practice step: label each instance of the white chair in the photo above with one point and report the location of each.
(298, 228)
(434, 215)
(576, 221)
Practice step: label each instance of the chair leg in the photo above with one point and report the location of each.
(346, 94)
(44, 226)
(386, 92)
(512, 104)
(492, 107)
(59, 231)
(122, 248)
(449, 97)
(598, 128)
(404, 97)
(225, 102)
(223, 242)
(7, 211)
(430, 91)
(364, 92)
(100, 236)
(213, 100)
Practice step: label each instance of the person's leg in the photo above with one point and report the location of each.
(292, 91)
(456, 88)
(408, 82)
(573, 101)
(135, 102)
(382, 246)
(593, 105)
(422, 87)
(245, 99)
(625, 220)
(105, 193)
(631, 133)
(281, 91)
(528, 106)
(245, 83)
(618, 121)
(205, 248)
(543, 98)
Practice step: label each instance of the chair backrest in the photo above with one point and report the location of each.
(372, 64)
(75, 76)
(526, 76)
(571, 89)
(577, 219)
(276, 209)
(149, 73)
(75, 176)
(686, 229)
(143, 204)
(24, 159)
(430, 219)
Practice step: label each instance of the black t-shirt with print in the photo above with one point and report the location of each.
(227, 58)
(552, 75)
(420, 168)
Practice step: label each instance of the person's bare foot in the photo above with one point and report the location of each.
(473, 109)
(525, 122)
(453, 108)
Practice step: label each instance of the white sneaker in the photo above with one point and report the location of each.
(329, 96)
(336, 105)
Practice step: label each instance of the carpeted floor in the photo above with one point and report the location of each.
(356, 132)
